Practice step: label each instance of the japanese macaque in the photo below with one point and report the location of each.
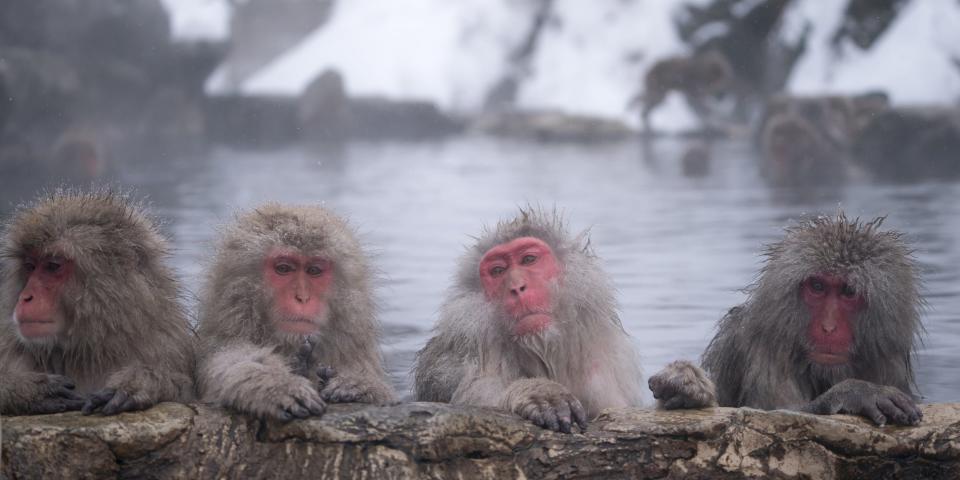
(91, 312)
(697, 77)
(531, 326)
(287, 318)
(807, 140)
(829, 327)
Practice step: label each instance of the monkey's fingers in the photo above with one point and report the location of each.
(326, 373)
(564, 416)
(872, 411)
(56, 405)
(315, 406)
(97, 400)
(892, 411)
(125, 402)
(579, 415)
(533, 412)
(549, 413)
(914, 414)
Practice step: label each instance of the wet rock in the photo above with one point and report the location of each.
(441, 441)
(384, 118)
(324, 110)
(551, 126)
(252, 121)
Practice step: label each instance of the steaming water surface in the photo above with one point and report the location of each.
(680, 249)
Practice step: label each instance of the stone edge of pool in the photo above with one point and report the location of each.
(442, 441)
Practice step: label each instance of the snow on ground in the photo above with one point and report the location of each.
(591, 60)
(448, 52)
(199, 19)
(911, 61)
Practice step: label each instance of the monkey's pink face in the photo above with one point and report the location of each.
(38, 313)
(833, 306)
(300, 286)
(518, 276)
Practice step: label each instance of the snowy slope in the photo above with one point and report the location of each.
(589, 59)
(199, 19)
(448, 52)
(911, 61)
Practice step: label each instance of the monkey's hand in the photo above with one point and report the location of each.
(879, 403)
(136, 387)
(682, 384)
(40, 393)
(547, 404)
(346, 388)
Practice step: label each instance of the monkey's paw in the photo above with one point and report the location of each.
(296, 398)
(683, 385)
(558, 411)
(111, 401)
(879, 403)
(347, 389)
(53, 394)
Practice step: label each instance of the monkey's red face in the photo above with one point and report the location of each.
(518, 276)
(38, 313)
(300, 286)
(833, 306)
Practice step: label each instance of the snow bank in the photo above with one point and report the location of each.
(911, 61)
(589, 59)
(447, 52)
(592, 59)
(199, 19)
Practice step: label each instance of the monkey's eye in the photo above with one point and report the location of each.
(848, 291)
(817, 285)
(497, 270)
(52, 266)
(29, 266)
(314, 270)
(283, 268)
(528, 259)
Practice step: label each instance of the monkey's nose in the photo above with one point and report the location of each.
(518, 290)
(27, 299)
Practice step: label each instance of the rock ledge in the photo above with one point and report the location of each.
(441, 441)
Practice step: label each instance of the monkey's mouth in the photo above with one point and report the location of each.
(829, 358)
(297, 325)
(532, 322)
(32, 328)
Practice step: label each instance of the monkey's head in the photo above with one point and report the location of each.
(532, 274)
(292, 262)
(853, 290)
(72, 256)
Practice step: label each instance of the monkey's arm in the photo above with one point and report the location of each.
(25, 392)
(682, 384)
(256, 381)
(879, 403)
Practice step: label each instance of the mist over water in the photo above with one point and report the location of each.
(679, 249)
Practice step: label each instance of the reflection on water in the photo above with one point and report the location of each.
(679, 248)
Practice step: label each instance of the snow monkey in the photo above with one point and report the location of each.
(91, 317)
(530, 325)
(287, 318)
(829, 327)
